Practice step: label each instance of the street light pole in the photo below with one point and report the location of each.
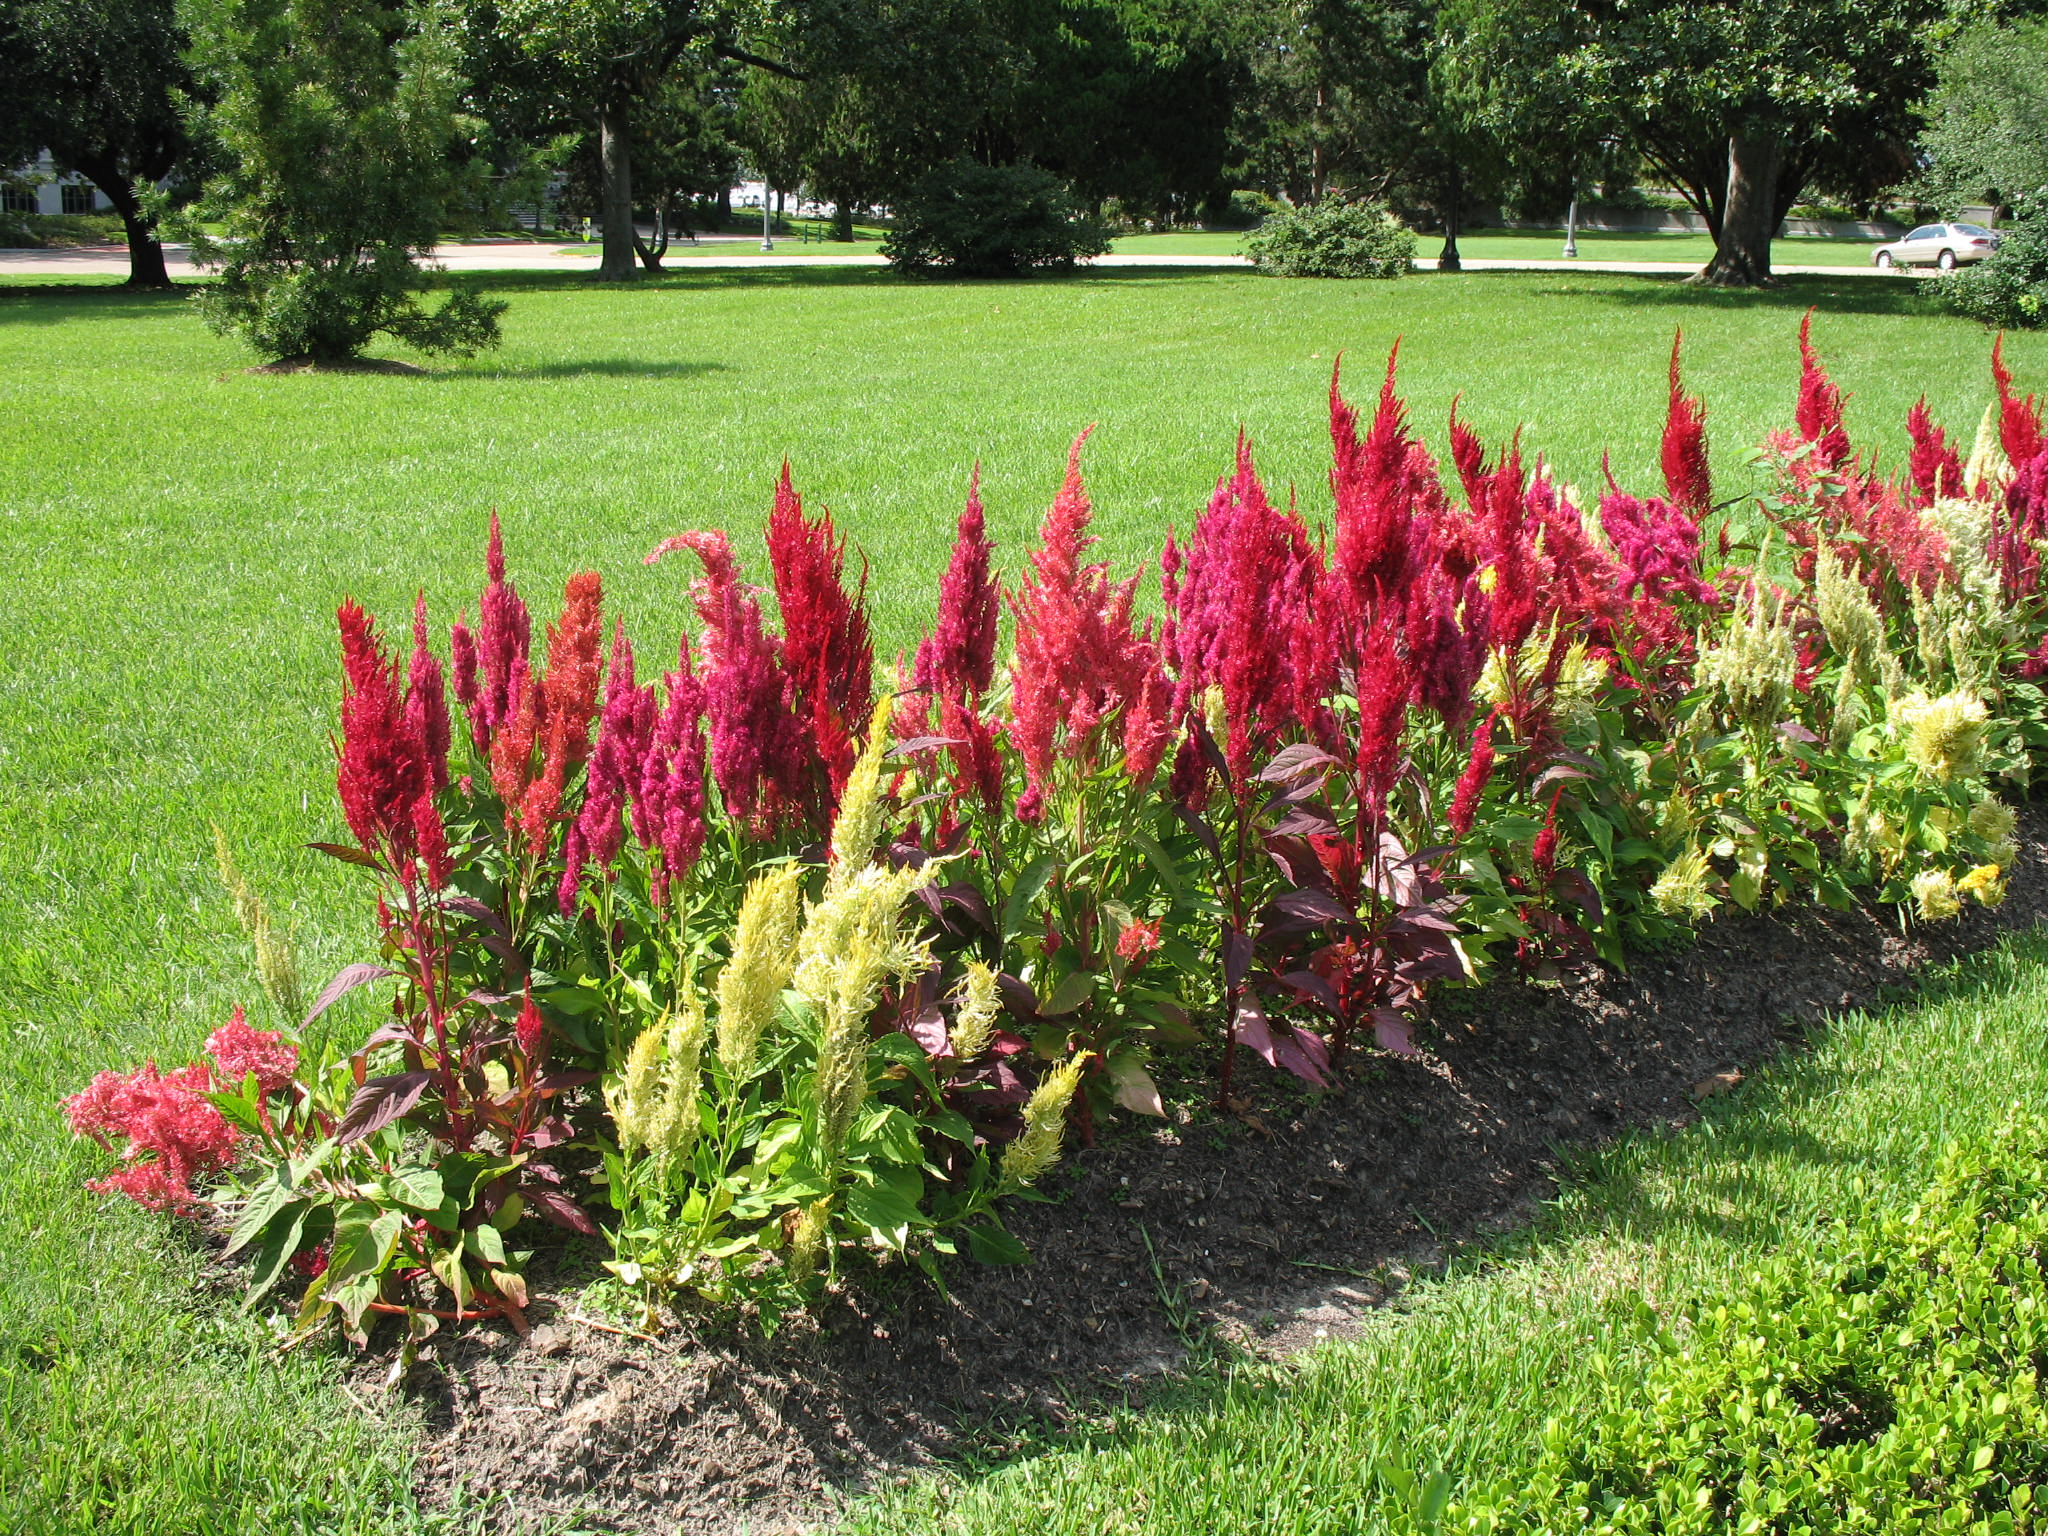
(767, 235)
(1571, 221)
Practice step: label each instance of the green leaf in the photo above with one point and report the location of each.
(281, 1238)
(882, 1208)
(486, 1243)
(991, 1244)
(464, 1173)
(1069, 995)
(364, 1237)
(887, 1131)
(1031, 883)
(416, 1187)
(950, 1122)
(266, 1202)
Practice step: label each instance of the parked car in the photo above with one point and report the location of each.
(1938, 245)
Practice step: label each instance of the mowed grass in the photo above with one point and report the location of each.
(178, 531)
(1539, 245)
(1452, 1389)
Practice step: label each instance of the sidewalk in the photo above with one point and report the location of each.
(555, 256)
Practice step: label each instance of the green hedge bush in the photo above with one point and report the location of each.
(1886, 1384)
(2009, 288)
(1333, 238)
(971, 220)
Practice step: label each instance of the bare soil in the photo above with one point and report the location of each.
(1275, 1231)
(304, 363)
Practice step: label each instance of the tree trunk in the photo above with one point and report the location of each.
(724, 206)
(615, 155)
(146, 267)
(842, 220)
(1447, 259)
(1742, 255)
(651, 251)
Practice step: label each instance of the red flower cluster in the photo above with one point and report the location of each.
(1820, 406)
(1686, 480)
(1934, 468)
(826, 652)
(956, 664)
(161, 1126)
(392, 754)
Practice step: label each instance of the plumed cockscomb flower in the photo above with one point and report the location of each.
(1984, 883)
(759, 757)
(1472, 782)
(1820, 404)
(1388, 502)
(503, 635)
(169, 1133)
(826, 652)
(1944, 737)
(1934, 468)
(1993, 820)
(529, 1030)
(426, 699)
(958, 658)
(1684, 888)
(1686, 480)
(1934, 895)
(2019, 420)
(1245, 597)
(668, 782)
(381, 765)
(625, 726)
(1137, 940)
(1045, 1119)
(974, 1020)
(237, 1050)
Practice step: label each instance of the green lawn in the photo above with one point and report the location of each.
(1543, 245)
(178, 531)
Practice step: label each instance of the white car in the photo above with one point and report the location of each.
(1946, 246)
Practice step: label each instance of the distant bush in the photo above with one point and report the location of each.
(2009, 288)
(29, 230)
(1886, 1383)
(970, 220)
(1333, 238)
(1244, 210)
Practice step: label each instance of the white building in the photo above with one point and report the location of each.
(49, 192)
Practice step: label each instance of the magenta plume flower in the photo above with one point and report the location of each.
(958, 658)
(161, 1126)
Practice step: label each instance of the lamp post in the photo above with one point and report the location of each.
(767, 233)
(1571, 220)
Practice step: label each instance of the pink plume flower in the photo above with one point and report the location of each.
(528, 1031)
(958, 658)
(168, 1132)
(1543, 852)
(504, 635)
(669, 797)
(1245, 619)
(759, 757)
(239, 1050)
(1686, 480)
(624, 730)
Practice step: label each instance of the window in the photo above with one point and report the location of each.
(16, 200)
(1971, 229)
(1926, 232)
(79, 196)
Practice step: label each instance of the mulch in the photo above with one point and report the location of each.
(1275, 1230)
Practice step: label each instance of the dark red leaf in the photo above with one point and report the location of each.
(380, 1101)
(1295, 762)
(1315, 906)
(551, 1205)
(346, 980)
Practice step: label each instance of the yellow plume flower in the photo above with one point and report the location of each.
(1045, 1122)
(1934, 894)
(1988, 471)
(974, 1020)
(672, 1128)
(858, 824)
(277, 967)
(1984, 883)
(634, 1095)
(1992, 819)
(763, 945)
(1754, 664)
(1681, 890)
(1944, 737)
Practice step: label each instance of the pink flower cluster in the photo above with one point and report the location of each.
(161, 1124)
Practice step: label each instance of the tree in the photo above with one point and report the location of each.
(337, 119)
(605, 62)
(1738, 105)
(1987, 119)
(97, 83)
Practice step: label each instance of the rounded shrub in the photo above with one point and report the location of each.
(2009, 288)
(972, 220)
(1333, 238)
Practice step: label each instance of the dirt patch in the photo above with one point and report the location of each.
(1274, 1233)
(306, 364)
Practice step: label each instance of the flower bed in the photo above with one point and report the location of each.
(770, 966)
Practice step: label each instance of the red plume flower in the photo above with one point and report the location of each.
(1935, 469)
(668, 797)
(163, 1127)
(427, 698)
(568, 697)
(530, 1028)
(239, 1050)
(504, 634)
(826, 652)
(1686, 480)
(1820, 404)
(623, 733)
(2019, 420)
(381, 765)
(1473, 781)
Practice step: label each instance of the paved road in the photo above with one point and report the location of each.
(551, 256)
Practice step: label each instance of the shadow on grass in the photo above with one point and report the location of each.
(599, 367)
(1795, 293)
(53, 301)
